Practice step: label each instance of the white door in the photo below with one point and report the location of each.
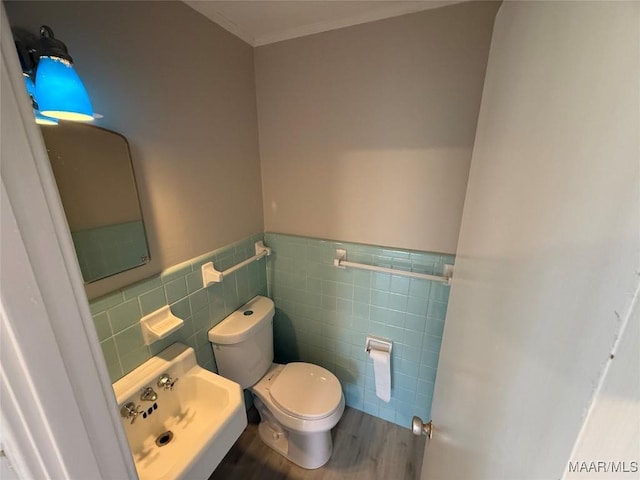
(548, 255)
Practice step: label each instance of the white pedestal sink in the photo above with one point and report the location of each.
(184, 432)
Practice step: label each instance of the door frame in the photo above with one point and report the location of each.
(60, 416)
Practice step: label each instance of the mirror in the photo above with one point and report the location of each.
(93, 171)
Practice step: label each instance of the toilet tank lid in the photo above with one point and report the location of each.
(242, 323)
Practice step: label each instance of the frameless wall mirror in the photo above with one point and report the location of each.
(93, 170)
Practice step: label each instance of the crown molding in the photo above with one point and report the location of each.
(371, 16)
(224, 22)
(390, 11)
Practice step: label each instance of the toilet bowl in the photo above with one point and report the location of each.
(299, 403)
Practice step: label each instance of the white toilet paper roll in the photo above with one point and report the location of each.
(382, 373)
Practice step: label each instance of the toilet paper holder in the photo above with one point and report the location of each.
(378, 343)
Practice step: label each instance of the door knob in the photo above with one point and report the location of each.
(418, 427)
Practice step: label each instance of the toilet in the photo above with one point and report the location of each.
(299, 403)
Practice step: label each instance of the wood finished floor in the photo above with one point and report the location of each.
(364, 447)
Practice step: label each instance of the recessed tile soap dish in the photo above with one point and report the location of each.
(159, 324)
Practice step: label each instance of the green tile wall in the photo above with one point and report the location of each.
(324, 313)
(117, 315)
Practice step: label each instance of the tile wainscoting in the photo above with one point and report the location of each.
(117, 315)
(324, 313)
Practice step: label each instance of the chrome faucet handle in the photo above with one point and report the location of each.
(165, 381)
(148, 395)
(130, 411)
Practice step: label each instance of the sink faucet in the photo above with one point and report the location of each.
(130, 411)
(165, 381)
(148, 395)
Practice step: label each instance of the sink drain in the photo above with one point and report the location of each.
(164, 438)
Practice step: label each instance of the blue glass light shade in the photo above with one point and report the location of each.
(31, 90)
(60, 92)
(28, 83)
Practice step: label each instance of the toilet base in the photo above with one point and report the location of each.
(307, 450)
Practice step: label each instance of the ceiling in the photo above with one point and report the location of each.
(268, 21)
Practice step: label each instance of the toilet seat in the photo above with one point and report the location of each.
(289, 421)
(306, 391)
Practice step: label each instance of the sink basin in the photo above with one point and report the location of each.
(184, 432)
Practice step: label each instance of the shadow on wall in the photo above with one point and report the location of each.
(286, 347)
(284, 331)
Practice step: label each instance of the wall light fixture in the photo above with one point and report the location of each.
(58, 92)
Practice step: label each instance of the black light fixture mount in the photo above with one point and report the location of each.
(49, 46)
(50, 78)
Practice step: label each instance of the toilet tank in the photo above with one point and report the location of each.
(243, 342)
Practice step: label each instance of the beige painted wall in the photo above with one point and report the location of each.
(181, 89)
(366, 132)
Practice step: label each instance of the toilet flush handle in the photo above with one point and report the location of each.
(418, 427)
